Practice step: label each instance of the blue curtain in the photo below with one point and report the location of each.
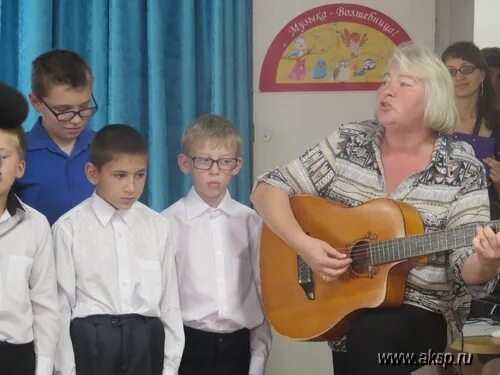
(157, 64)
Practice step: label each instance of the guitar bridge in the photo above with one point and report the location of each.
(304, 275)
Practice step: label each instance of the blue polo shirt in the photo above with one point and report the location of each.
(54, 182)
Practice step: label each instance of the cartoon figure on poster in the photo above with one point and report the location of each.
(299, 69)
(300, 48)
(333, 53)
(334, 56)
(353, 41)
(320, 69)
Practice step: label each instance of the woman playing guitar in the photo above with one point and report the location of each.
(407, 155)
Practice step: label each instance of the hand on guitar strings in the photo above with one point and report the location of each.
(486, 244)
(323, 259)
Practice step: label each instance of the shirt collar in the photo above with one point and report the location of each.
(105, 212)
(38, 138)
(13, 207)
(195, 205)
(441, 154)
(13, 204)
(5, 216)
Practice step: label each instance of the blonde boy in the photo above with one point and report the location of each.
(29, 328)
(216, 248)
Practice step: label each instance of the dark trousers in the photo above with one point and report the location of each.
(405, 329)
(17, 359)
(207, 353)
(118, 345)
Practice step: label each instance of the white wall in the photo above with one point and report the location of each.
(487, 23)
(287, 123)
(454, 22)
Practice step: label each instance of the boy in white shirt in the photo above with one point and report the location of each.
(217, 257)
(29, 320)
(116, 273)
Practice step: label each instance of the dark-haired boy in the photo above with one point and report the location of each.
(29, 326)
(58, 144)
(117, 279)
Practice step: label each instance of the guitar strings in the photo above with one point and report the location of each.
(367, 248)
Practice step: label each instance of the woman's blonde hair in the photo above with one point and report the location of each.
(440, 111)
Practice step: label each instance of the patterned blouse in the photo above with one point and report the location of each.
(451, 191)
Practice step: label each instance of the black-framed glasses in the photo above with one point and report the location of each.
(69, 115)
(224, 164)
(464, 70)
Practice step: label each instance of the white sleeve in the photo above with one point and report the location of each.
(66, 280)
(170, 308)
(260, 336)
(43, 296)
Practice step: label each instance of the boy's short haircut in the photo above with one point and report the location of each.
(17, 133)
(211, 127)
(115, 140)
(59, 67)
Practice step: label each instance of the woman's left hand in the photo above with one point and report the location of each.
(486, 244)
(494, 169)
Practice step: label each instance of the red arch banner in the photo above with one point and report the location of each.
(331, 47)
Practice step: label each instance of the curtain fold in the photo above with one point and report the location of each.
(157, 64)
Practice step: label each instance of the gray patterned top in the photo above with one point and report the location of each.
(451, 191)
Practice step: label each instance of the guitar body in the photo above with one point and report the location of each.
(336, 303)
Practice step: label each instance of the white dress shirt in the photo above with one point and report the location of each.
(116, 262)
(217, 257)
(28, 289)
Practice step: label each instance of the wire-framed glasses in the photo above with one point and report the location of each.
(224, 164)
(69, 115)
(464, 70)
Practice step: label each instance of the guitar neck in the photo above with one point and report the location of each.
(423, 244)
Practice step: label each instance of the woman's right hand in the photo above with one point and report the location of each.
(323, 259)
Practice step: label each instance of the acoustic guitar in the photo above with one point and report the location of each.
(385, 240)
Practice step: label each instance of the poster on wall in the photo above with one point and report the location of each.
(333, 47)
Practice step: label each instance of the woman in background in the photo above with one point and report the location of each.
(492, 56)
(478, 120)
(479, 126)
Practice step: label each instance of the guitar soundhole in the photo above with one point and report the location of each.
(360, 258)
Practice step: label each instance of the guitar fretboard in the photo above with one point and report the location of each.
(424, 244)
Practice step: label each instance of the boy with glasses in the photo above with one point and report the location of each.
(58, 144)
(216, 245)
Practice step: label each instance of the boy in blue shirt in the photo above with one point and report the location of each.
(58, 144)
